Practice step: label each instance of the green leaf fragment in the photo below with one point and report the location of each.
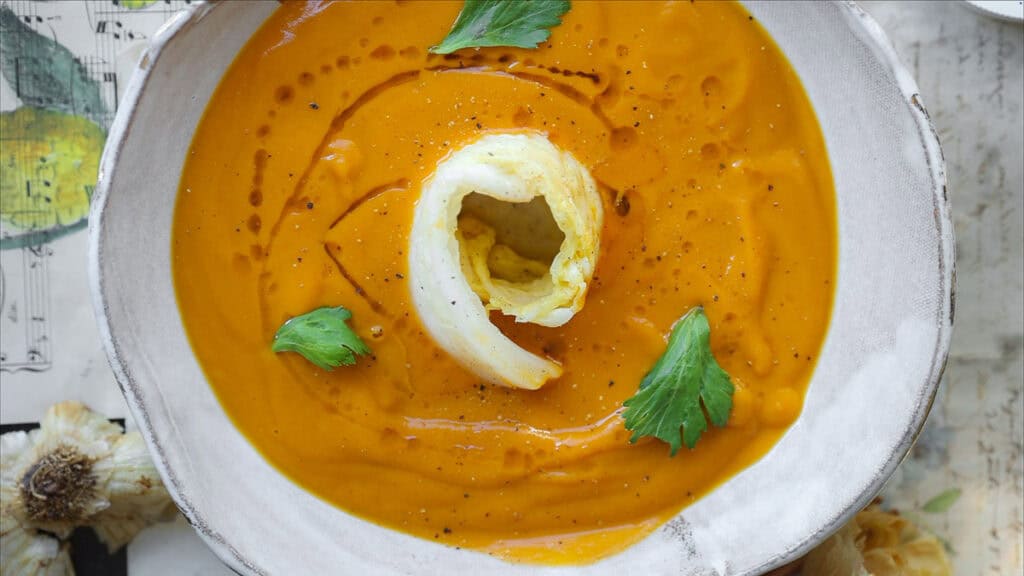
(46, 75)
(322, 337)
(942, 502)
(516, 23)
(134, 4)
(685, 382)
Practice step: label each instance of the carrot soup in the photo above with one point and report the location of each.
(704, 181)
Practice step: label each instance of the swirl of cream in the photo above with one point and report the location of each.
(459, 269)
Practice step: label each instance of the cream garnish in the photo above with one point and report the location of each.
(460, 268)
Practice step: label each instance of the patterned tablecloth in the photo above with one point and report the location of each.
(64, 65)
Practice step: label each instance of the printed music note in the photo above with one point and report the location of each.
(24, 308)
(61, 62)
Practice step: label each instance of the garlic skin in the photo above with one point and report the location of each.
(879, 543)
(28, 552)
(23, 550)
(76, 469)
(136, 494)
(451, 259)
(51, 495)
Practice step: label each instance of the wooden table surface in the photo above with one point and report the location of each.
(970, 69)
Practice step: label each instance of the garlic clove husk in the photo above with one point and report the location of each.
(925, 555)
(26, 552)
(16, 451)
(879, 543)
(75, 420)
(839, 555)
(137, 496)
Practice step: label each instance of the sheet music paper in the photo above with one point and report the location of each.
(49, 344)
(64, 67)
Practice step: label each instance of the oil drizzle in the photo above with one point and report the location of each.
(501, 67)
(374, 304)
(337, 124)
(400, 184)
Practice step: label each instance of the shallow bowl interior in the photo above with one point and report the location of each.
(874, 383)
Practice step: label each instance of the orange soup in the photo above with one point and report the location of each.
(299, 192)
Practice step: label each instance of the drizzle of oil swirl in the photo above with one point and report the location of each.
(552, 78)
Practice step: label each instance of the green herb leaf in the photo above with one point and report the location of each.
(683, 383)
(518, 23)
(322, 337)
(942, 502)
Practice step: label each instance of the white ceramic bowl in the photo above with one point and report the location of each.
(875, 380)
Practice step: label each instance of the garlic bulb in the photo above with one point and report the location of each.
(23, 550)
(460, 269)
(878, 543)
(76, 469)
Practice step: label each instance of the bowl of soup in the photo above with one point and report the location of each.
(669, 291)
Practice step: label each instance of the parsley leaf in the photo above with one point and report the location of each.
(519, 23)
(942, 502)
(322, 337)
(682, 380)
